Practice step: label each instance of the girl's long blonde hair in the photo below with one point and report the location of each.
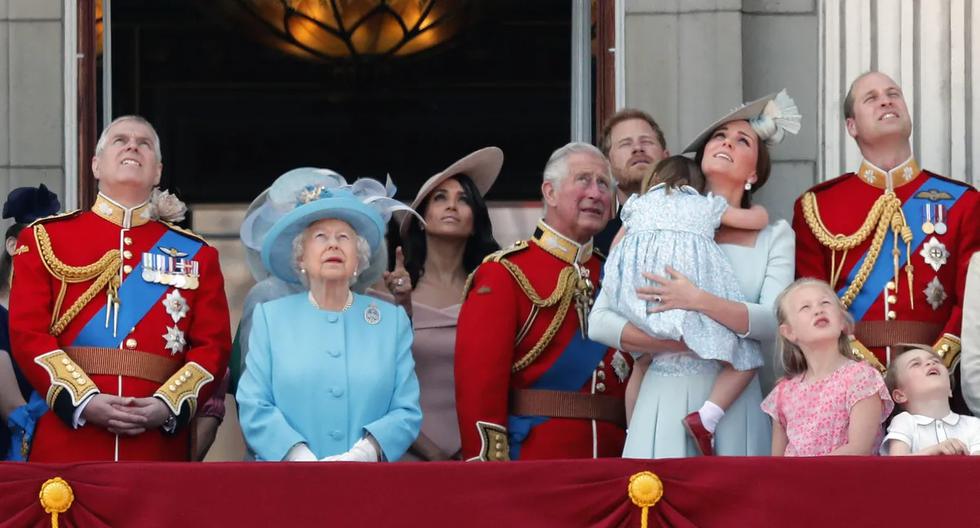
(790, 355)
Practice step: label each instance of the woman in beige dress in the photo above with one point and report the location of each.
(428, 280)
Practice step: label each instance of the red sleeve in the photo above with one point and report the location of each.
(209, 333)
(810, 260)
(484, 353)
(31, 301)
(967, 243)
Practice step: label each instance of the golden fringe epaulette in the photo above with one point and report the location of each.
(186, 232)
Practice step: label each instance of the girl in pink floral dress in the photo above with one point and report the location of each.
(828, 404)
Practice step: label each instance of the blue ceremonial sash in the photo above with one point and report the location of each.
(136, 298)
(883, 269)
(573, 368)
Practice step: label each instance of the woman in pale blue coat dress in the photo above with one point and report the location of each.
(733, 156)
(329, 375)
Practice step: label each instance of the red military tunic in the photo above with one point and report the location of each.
(499, 356)
(933, 313)
(173, 352)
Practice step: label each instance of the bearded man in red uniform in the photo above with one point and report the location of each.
(529, 384)
(894, 240)
(118, 317)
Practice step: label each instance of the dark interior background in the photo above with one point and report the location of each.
(233, 114)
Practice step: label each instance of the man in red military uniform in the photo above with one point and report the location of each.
(117, 317)
(895, 240)
(529, 384)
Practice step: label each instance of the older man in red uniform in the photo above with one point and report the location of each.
(894, 239)
(529, 384)
(118, 317)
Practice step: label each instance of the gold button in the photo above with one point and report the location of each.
(127, 241)
(177, 382)
(890, 315)
(82, 381)
(127, 269)
(601, 375)
(172, 388)
(187, 373)
(945, 347)
(601, 365)
(892, 299)
(127, 254)
(70, 368)
(498, 446)
(130, 343)
(890, 285)
(76, 375)
(64, 361)
(600, 387)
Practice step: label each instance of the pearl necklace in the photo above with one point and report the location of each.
(350, 301)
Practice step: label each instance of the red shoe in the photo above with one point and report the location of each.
(702, 437)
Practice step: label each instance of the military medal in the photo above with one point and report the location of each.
(927, 226)
(940, 219)
(583, 298)
(934, 253)
(176, 305)
(175, 340)
(935, 293)
(171, 269)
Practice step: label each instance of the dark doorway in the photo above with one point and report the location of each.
(234, 113)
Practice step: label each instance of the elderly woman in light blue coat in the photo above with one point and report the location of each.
(329, 375)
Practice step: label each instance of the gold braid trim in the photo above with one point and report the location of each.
(105, 271)
(562, 296)
(885, 213)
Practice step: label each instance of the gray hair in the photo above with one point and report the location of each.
(363, 257)
(104, 137)
(556, 170)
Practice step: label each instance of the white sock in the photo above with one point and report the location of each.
(711, 414)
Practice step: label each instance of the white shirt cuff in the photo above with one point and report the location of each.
(77, 420)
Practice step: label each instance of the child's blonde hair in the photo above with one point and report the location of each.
(790, 355)
(674, 171)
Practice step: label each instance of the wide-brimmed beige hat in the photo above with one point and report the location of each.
(482, 166)
(770, 117)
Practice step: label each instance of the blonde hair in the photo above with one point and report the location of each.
(790, 355)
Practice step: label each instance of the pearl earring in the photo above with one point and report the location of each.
(748, 186)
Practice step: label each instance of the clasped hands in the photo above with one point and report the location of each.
(674, 292)
(126, 415)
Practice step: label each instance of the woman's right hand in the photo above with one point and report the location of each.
(399, 282)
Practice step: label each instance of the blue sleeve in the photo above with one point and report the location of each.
(779, 264)
(396, 430)
(266, 430)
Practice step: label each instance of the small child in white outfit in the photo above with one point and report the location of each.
(919, 382)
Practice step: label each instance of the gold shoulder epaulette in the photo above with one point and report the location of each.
(58, 216)
(497, 256)
(186, 232)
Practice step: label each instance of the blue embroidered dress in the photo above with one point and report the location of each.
(676, 228)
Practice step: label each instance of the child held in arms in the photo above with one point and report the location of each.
(919, 383)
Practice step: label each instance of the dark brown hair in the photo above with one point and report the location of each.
(675, 171)
(763, 166)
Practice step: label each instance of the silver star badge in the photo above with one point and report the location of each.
(620, 366)
(907, 173)
(869, 175)
(176, 305)
(935, 293)
(934, 253)
(175, 340)
(105, 209)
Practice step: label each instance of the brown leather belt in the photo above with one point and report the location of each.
(874, 334)
(562, 404)
(123, 362)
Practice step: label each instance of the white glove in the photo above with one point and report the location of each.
(300, 453)
(362, 451)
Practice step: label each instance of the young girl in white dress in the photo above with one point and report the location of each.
(672, 225)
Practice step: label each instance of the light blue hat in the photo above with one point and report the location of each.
(366, 205)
